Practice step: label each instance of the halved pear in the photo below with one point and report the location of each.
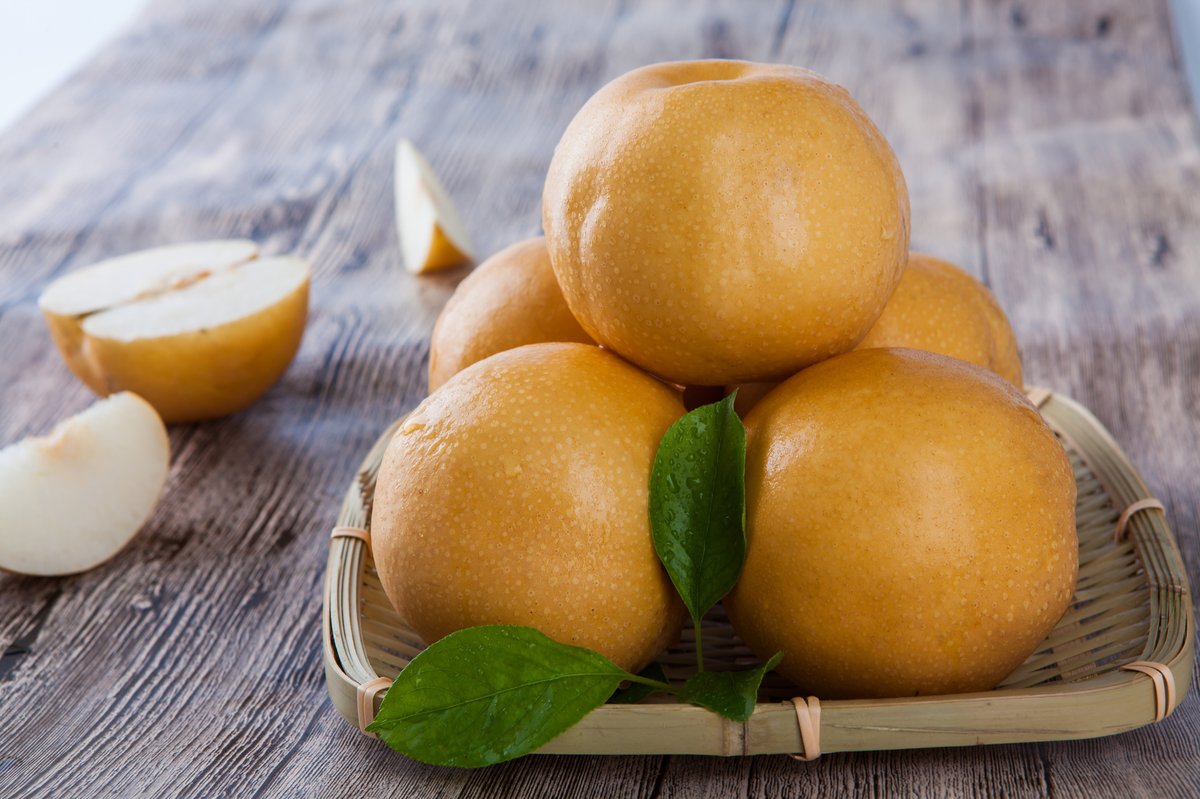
(74, 498)
(432, 235)
(197, 337)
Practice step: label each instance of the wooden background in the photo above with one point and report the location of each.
(1049, 147)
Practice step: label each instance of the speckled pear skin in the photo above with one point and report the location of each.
(517, 493)
(936, 307)
(911, 526)
(940, 308)
(510, 300)
(719, 222)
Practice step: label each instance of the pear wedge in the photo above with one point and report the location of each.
(432, 235)
(74, 498)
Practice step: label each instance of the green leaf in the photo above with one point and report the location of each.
(636, 692)
(733, 694)
(698, 504)
(489, 694)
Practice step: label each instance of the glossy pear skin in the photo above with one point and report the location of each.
(911, 526)
(718, 222)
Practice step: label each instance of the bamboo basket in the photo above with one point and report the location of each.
(1132, 606)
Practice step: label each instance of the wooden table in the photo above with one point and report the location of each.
(1051, 151)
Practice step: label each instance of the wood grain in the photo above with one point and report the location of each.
(1050, 148)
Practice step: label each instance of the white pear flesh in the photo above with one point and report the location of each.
(220, 299)
(72, 499)
(126, 278)
(432, 235)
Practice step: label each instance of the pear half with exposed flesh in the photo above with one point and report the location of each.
(198, 330)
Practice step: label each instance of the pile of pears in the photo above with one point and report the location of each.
(711, 226)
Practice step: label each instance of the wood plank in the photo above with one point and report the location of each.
(1048, 148)
(1088, 151)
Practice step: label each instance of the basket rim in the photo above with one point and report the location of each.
(1123, 700)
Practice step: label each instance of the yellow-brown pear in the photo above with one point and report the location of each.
(511, 299)
(722, 221)
(517, 494)
(940, 308)
(911, 527)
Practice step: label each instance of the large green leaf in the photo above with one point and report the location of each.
(489, 694)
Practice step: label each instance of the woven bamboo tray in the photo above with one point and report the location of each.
(1132, 605)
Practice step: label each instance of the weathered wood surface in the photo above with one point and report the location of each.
(1049, 147)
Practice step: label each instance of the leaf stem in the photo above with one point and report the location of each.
(699, 648)
(665, 687)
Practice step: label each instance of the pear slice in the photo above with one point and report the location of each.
(432, 235)
(72, 499)
(198, 338)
